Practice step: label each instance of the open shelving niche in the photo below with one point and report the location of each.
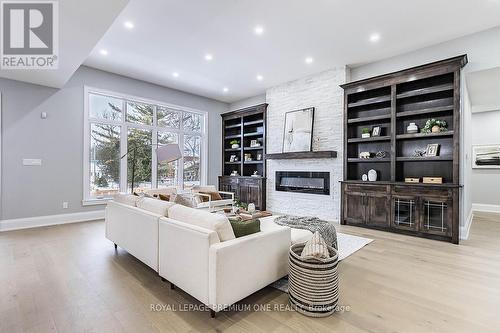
(393, 108)
(244, 128)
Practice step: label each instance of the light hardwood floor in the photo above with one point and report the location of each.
(70, 279)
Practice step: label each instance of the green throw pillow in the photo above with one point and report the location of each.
(244, 228)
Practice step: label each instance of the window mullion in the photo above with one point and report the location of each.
(123, 161)
(180, 166)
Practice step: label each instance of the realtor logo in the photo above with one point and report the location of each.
(29, 35)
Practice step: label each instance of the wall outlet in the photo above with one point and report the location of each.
(65, 205)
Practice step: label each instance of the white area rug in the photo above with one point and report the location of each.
(348, 244)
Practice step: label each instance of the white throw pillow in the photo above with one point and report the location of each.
(155, 206)
(126, 199)
(315, 248)
(187, 200)
(212, 221)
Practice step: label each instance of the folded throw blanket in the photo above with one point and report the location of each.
(313, 224)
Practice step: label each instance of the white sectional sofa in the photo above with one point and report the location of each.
(197, 250)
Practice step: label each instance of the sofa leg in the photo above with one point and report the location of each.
(116, 246)
(162, 279)
(212, 313)
(172, 286)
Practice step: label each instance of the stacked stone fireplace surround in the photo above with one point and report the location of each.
(322, 92)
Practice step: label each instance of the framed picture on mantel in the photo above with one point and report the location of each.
(297, 136)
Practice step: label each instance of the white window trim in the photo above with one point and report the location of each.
(87, 200)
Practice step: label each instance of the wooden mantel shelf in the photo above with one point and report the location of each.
(302, 155)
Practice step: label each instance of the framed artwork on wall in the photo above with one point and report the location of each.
(298, 130)
(486, 156)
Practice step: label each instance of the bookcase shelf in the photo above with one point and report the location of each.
(391, 102)
(244, 125)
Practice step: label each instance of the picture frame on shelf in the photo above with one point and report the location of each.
(432, 150)
(376, 131)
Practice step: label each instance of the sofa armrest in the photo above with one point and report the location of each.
(135, 230)
(242, 266)
(183, 256)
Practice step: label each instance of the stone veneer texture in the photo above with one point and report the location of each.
(322, 92)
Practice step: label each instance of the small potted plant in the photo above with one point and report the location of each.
(435, 126)
(235, 144)
(365, 132)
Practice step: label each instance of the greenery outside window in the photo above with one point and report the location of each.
(118, 125)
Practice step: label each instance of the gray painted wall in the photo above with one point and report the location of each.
(251, 101)
(486, 182)
(58, 140)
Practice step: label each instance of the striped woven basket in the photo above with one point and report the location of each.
(313, 283)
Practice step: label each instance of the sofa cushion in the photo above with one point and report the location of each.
(155, 206)
(164, 191)
(164, 197)
(184, 199)
(214, 196)
(126, 199)
(244, 227)
(212, 221)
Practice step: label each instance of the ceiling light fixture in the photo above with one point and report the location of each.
(259, 30)
(209, 57)
(175, 74)
(129, 25)
(260, 77)
(103, 52)
(225, 89)
(309, 60)
(375, 37)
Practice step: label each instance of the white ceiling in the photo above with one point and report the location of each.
(174, 35)
(484, 90)
(81, 25)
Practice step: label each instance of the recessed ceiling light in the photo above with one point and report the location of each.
(225, 89)
(175, 74)
(129, 25)
(309, 60)
(375, 37)
(103, 52)
(260, 77)
(259, 30)
(208, 57)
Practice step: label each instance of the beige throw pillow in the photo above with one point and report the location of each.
(315, 248)
(127, 199)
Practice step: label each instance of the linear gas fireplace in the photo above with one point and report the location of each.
(303, 182)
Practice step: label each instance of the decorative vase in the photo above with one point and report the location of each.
(435, 129)
(235, 146)
(365, 135)
(251, 208)
(364, 177)
(372, 175)
(412, 128)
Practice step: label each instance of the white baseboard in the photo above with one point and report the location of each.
(42, 221)
(464, 230)
(486, 208)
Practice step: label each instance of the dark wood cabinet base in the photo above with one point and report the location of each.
(423, 211)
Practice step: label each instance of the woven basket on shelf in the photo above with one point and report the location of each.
(313, 283)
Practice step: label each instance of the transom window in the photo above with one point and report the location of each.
(122, 134)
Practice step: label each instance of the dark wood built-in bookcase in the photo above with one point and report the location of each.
(245, 125)
(392, 102)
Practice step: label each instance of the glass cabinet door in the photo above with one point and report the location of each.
(436, 216)
(404, 213)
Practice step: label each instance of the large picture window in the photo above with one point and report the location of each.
(122, 134)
